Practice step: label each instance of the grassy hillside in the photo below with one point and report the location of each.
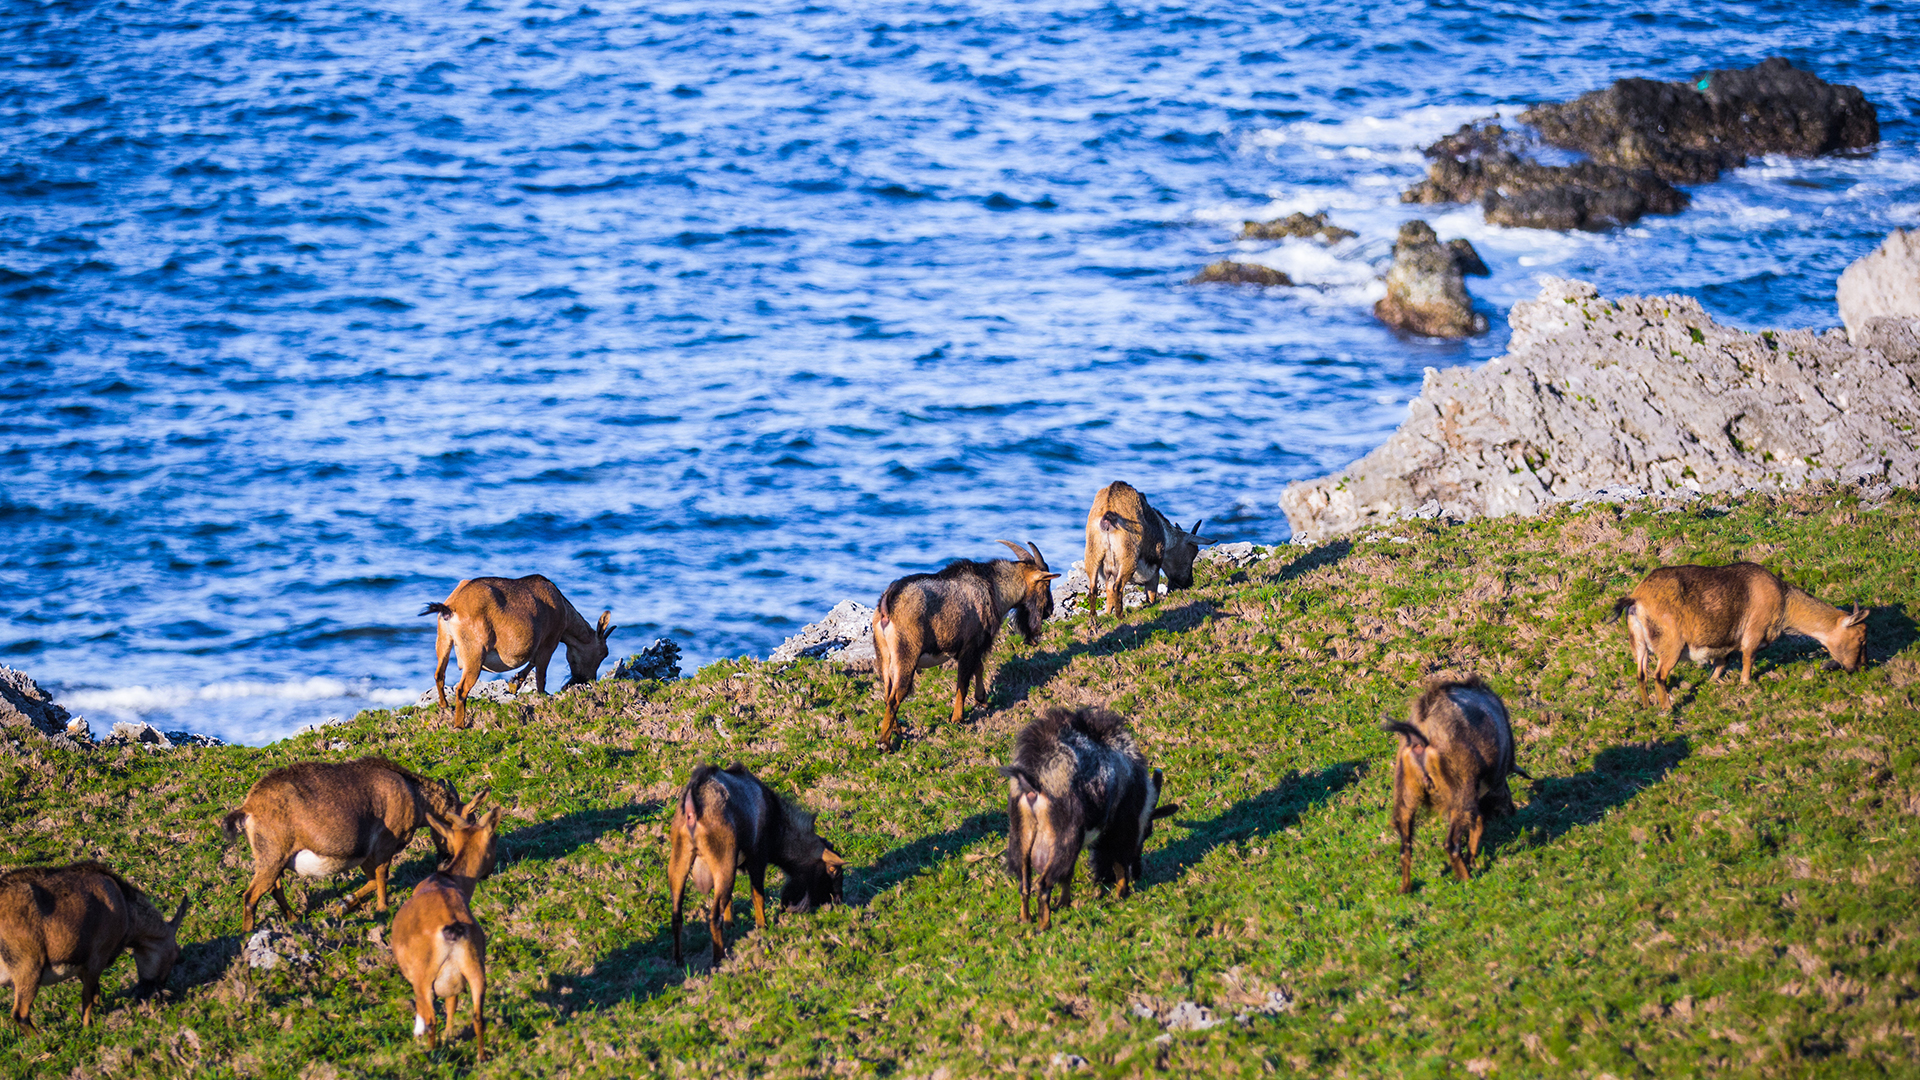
(1726, 889)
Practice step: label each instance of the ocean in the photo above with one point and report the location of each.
(716, 317)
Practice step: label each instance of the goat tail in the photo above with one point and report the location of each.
(1112, 520)
(1413, 735)
(1622, 606)
(1521, 773)
(437, 608)
(233, 823)
(454, 932)
(1018, 773)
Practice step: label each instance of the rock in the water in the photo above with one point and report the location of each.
(1228, 272)
(844, 636)
(1690, 132)
(660, 660)
(1643, 391)
(1484, 163)
(1425, 291)
(24, 704)
(1296, 225)
(1880, 287)
(1466, 259)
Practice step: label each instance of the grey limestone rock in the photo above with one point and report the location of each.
(24, 704)
(1879, 297)
(660, 660)
(1647, 392)
(844, 636)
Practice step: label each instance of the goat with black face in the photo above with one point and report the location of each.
(1077, 780)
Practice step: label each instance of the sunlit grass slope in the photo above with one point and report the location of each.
(1728, 889)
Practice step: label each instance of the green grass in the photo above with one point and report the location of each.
(1729, 888)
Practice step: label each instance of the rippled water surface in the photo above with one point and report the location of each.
(716, 317)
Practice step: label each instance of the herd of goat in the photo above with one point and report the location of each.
(1076, 782)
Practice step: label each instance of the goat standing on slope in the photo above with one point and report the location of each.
(1711, 612)
(321, 817)
(1077, 780)
(1456, 752)
(498, 624)
(728, 821)
(924, 620)
(1130, 543)
(72, 922)
(438, 944)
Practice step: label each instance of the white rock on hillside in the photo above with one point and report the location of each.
(1644, 391)
(1879, 297)
(844, 636)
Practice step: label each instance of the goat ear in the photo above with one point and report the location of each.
(1857, 617)
(1166, 810)
(179, 916)
(1049, 576)
(603, 629)
(832, 859)
(474, 803)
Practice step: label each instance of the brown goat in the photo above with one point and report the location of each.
(498, 624)
(1710, 612)
(321, 817)
(923, 620)
(729, 821)
(1130, 543)
(1456, 752)
(71, 922)
(438, 944)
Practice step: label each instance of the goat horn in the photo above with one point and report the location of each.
(1196, 527)
(179, 916)
(1037, 557)
(1017, 549)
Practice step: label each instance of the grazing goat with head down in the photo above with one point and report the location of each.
(438, 944)
(498, 624)
(729, 821)
(321, 817)
(1710, 612)
(1077, 780)
(71, 922)
(1456, 752)
(923, 620)
(1130, 543)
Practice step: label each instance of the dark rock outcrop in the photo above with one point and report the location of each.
(1296, 225)
(1643, 392)
(1691, 132)
(24, 704)
(659, 661)
(1227, 272)
(1480, 164)
(1426, 293)
(1466, 259)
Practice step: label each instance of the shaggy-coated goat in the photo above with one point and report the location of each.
(728, 821)
(1129, 542)
(436, 941)
(923, 620)
(70, 922)
(321, 817)
(1456, 752)
(1077, 780)
(498, 624)
(1710, 612)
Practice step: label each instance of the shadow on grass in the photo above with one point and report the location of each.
(1619, 773)
(1322, 555)
(1020, 676)
(1265, 814)
(909, 859)
(562, 836)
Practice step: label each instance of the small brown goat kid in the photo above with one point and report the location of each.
(729, 821)
(498, 624)
(1130, 543)
(318, 818)
(438, 944)
(71, 922)
(1710, 612)
(924, 620)
(1456, 752)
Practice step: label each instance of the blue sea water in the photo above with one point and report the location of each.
(717, 316)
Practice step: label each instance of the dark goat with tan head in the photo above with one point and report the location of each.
(1130, 543)
(1077, 780)
(1456, 752)
(437, 942)
(71, 922)
(1708, 613)
(319, 818)
(498, 624)
(924, 620)
(729, 821)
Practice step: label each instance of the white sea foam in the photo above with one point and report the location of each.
(1413, 128)
(129, 702)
